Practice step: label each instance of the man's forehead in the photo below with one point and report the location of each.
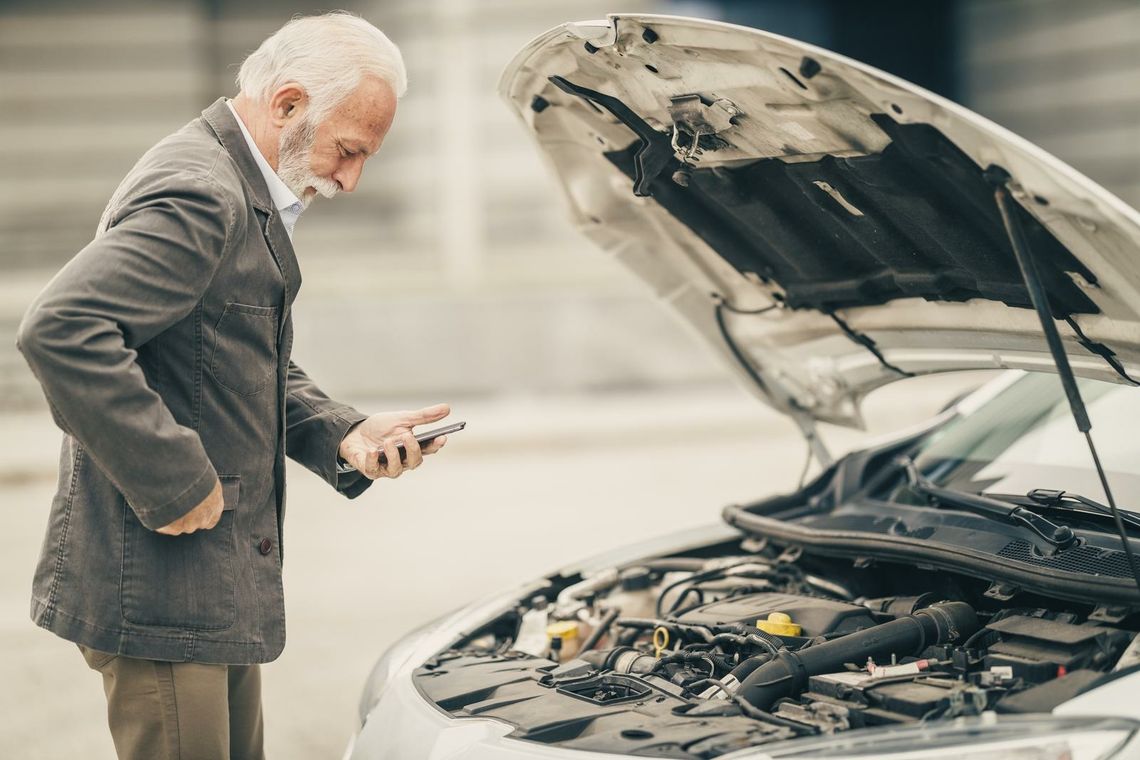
(365, 115)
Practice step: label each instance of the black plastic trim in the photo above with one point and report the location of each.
(984, 565)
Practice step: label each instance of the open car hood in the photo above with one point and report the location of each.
(851, 208)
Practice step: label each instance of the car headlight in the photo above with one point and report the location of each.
(418, 645)
(986, 737)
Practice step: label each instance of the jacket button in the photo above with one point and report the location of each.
(265, 546)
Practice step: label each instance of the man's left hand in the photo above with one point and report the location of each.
(380, 433)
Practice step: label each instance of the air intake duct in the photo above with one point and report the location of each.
(787, 673)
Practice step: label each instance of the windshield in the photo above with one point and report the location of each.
(1025, 438)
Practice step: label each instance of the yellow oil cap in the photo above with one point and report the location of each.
(779, 624)
(563, 629)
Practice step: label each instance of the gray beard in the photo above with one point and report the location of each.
(293, 163)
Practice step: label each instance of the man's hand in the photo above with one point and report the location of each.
(380, 433)
(202, 517)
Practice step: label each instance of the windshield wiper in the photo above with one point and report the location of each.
(1061, 536)
(1064, 500)
(1051, 500)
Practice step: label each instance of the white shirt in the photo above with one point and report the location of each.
(287, 204)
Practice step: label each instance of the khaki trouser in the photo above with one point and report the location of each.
(181, 710)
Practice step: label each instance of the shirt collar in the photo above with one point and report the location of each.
(283, 197)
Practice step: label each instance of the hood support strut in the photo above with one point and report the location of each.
(1000, 179)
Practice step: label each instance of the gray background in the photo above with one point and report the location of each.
(595, 420)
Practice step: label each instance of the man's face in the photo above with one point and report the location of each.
(328, 157)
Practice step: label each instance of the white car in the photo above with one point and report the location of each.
(968, 587)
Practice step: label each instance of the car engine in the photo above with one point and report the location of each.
(699, 656)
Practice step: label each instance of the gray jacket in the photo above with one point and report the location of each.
(163, 350)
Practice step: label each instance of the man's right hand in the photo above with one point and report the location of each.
(202, 517)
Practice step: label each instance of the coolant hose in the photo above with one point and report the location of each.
(787, 673)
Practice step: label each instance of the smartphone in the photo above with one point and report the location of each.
(426, 437)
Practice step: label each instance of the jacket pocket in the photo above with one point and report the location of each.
(245, 348)
(184, 581)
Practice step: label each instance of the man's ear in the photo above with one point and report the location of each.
(287, 103)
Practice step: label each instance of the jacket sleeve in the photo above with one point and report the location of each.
(315, 426)
(144, 273)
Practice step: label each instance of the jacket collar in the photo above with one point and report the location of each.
(223, 123)
(221, 120)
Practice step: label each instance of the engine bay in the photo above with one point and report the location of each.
(747, 643)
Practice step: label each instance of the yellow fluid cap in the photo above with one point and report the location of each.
(779, 624)
(563, 629)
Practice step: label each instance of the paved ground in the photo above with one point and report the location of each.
(503, 503)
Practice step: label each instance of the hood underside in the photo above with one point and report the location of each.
(836, 224)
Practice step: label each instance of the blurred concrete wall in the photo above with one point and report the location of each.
(1064, 75)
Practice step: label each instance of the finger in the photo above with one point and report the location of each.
(413, 458)
(428, 414)
(393, 467)
(435, 445)
(168, 531)
(214, 520)
(370, 465)
(359, 458)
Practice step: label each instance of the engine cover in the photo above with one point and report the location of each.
(815, 616)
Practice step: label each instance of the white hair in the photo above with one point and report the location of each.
(328, 55)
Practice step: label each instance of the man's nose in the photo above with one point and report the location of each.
(348, 175)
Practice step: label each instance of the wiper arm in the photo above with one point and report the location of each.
(1061, 536)
(1061, 500)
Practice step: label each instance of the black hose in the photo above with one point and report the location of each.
(675, 606)
(757, 714)
(704, 575)
(787, 673)
(600, 631)
(647, 623)
(745, 669)
(626, 638)
(979, 635)
(741, 640)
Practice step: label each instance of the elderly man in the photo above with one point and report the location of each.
(163, 350)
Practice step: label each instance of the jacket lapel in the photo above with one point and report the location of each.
(222, 122)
